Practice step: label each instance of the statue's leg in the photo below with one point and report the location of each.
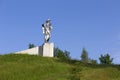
(48, 38)
(45, 38)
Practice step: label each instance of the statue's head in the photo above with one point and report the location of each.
(48, 20)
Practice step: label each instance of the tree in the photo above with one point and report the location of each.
(105, 59)
(63, 55)
(31, 46)
(84, 56)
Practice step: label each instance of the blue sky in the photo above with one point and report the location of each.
(93, 24)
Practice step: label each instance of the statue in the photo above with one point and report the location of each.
(47, 27)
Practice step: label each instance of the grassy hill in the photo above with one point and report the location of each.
(29, 67)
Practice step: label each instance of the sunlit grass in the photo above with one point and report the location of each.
(33, 67)
(107, 73)
(27, 67)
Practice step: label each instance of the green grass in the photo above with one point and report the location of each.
(29, 67)
(107, 73)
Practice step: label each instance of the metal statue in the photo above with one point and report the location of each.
(47, 27)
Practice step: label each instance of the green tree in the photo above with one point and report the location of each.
(84, 56)
(31, 46)
(63, 55)
(105, 59)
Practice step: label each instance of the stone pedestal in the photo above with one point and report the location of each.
(47, 50)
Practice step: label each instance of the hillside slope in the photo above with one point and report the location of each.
(29, 67)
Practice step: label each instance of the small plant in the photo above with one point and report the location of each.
(31, 46)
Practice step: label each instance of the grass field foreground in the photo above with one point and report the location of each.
(33, 67)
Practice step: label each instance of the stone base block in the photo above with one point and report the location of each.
(47, 50)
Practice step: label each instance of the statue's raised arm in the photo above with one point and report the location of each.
(47, 27)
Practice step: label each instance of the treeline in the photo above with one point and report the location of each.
(84, 58)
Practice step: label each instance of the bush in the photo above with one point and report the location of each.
(62, 55)
(105, 59)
